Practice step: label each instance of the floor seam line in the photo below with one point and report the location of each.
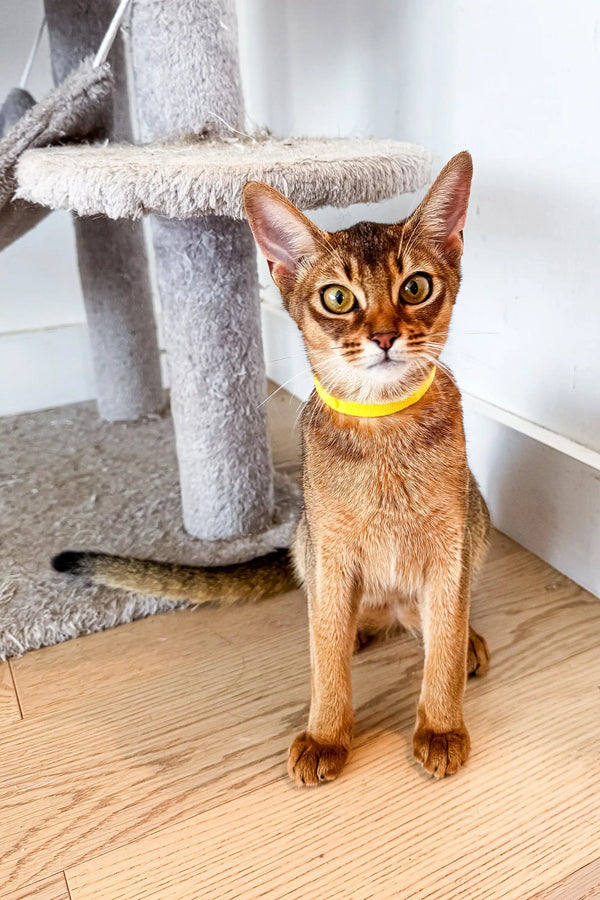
(16, 689)
(67, 884)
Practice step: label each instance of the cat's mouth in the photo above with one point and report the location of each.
(386, 363)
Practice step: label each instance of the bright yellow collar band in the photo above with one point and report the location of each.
(373, 410)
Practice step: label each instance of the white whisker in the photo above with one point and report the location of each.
(399, 256)
(281, 386)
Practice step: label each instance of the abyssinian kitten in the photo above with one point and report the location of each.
(393, 526)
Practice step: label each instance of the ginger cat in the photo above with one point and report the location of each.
(393, 526)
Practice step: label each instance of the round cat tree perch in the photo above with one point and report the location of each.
(198, 177)
(190, 176)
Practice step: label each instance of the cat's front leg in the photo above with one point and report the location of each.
(319, 753)
(441, 741)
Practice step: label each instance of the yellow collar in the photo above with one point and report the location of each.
(373, 410)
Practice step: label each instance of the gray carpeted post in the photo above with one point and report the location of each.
(188, 83)
(16, 105)
(18, 217)
(112, 255)
(206, 271)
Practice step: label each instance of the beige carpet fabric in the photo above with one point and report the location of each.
(194, 177)
(71, 481)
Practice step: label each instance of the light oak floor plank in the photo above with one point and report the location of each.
(581, 885)
(108, 765)
(502, 546)
(524, 810)
(54, 888)
(10, 710)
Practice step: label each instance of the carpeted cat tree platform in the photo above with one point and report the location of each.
(189, 174)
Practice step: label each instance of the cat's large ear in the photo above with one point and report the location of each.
(284, 236)
(443, 212)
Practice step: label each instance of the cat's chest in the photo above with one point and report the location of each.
(387, 490)
(393, 474)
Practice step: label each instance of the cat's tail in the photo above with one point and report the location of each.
(247, 582)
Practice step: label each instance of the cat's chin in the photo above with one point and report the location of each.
(386, 372)
(389, 380)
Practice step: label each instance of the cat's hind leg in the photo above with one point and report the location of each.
(478, 656)
(375, 622)
(384, 619)
(478, 536)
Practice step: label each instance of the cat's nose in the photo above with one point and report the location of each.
(385, 339)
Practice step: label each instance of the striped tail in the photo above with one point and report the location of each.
(247, 582)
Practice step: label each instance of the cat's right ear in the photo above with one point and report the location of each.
(284, 236)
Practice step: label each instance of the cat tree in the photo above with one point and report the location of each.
(190, 173)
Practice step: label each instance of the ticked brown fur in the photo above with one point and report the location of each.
(393, 525)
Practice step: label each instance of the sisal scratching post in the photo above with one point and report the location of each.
(112, 255)
(206, 271)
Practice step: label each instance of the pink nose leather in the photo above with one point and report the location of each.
(385, 339)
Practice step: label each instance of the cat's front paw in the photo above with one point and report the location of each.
(311, 761)
(441, 753)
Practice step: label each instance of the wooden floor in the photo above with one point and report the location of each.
(149, 761)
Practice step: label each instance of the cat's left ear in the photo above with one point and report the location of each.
(443, 212)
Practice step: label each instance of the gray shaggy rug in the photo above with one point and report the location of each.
(71, 481)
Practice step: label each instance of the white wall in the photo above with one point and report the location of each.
(39, 286)
(44, 355)
(516, 83)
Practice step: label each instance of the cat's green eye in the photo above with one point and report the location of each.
(416, 289)
(338, 299)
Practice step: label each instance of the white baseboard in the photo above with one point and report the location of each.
(52, 366)
(545, 499)
(542, 488)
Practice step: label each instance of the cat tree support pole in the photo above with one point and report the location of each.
(112, 256)
(188, 83)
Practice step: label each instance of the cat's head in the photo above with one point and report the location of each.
(374, 301)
